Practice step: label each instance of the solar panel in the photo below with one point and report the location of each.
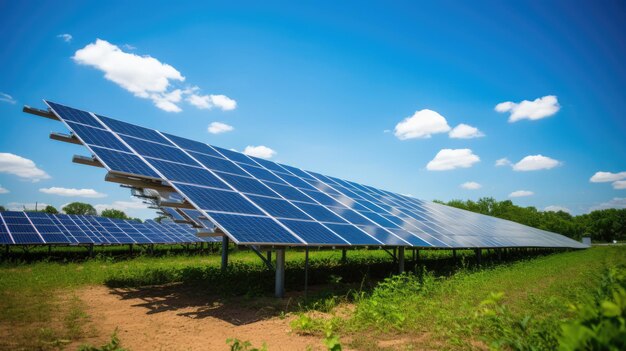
(32, 228)
(257, 201)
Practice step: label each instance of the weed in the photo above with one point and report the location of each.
(113, 345)
(238, 345)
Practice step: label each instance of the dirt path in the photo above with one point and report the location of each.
(171, 318)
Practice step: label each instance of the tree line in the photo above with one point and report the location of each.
(81, 208)
(601, 225)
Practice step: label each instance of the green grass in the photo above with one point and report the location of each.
(441, 302)
(451, 313)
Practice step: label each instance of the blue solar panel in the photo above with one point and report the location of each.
(21, 229)
(72, 114)
(97, 137)
(251, 229)
(391, 218)
(235, 156)
(123, 162)
(382, 235)
(160, 151)
(192, 145)
(272, 166)
(288, 192)
(187, 174)
(313, 233)
(262, 174)
(246, 185)
(353, 234)
(133, 130)
(218, 164)
(218, 200)
(5, 238)
(278, 208)
(319, 213)
(48, 230)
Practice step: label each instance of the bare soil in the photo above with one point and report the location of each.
(174, 318)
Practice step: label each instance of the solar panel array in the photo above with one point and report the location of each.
(257, 201)
(32, 228)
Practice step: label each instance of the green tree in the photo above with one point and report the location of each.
(2, 209)
(80, 208)
(50, 209)
(159, 219)
(113, 213)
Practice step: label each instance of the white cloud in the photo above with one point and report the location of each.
(471, 186)
(66, 37)
(620, 184)
(146, 77)
(616, 202)
(20, 206)
(604, 177)
(422, 124)
(21, 167)
(464, 131)
(134, 204)
(259, 151)
(7, 98)
(535, 163)
(447, 159)
(521, 193)
(556, 208)
(537, 109)
(219, 127)
(4, 190)
(90, 193)
(503, 162)
(208, 102)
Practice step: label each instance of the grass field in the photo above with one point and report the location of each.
(453, 304)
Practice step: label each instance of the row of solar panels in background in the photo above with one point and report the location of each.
(260, 201)
(31, 228)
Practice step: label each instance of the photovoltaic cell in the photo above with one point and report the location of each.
(218, 200)
(254, 229)
(388, 218)
(123, 162)
(313, 233)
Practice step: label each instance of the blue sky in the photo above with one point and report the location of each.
(351, 90)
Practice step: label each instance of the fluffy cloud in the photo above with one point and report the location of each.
(555, 208)
(620, 184)
(134, 204)
(603, 177)
(219, 127)
(7, 98)
(616, 202)
(471, 186)
(21, 206)
(4, 190)
(259, 151)
(521, 193)
(65, 37)
(146, 77)
(422, 124)
(90, 193)
(21, 167)
(503, 162)
(447, 159)
(464, 131)
(537, 109)
(208, 102)
(535, 163)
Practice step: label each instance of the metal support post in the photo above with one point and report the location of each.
(478, 255)
(90, 250)
(130, 248)
(344, 255)
(401, 259)
(306, 272)
(224, 253)
(269, 256)
(280, 273)
(454, 254)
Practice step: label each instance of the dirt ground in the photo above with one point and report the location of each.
(171, 318)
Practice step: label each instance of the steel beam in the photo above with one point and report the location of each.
(224, 253)
(66, 138)
(89, 161)
(401, 259)
(40, 113)
(279, 290)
